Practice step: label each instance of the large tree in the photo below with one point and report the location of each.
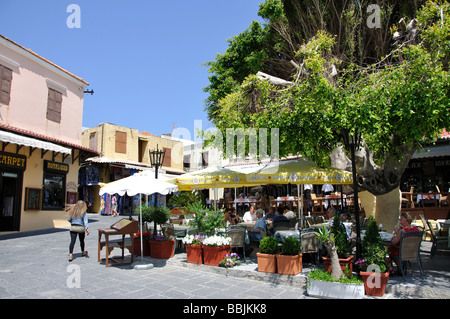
(379, 70)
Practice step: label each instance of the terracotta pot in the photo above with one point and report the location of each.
(212, 256)
(194, 254)
(289, 265)
(161, 249)
(374, 283)
(267, 263)
(347, 262)
(145, 247)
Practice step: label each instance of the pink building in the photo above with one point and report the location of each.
(41, 111)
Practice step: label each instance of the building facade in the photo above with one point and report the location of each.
(41, 110)
(122, 152)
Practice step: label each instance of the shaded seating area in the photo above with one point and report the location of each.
(410, 250)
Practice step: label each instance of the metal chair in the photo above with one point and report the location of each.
(410, 250)
(436, 239)
(281, 225)
(179, 236)
(237, 236)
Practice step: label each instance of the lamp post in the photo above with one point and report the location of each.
(352, 143)
(156, 160)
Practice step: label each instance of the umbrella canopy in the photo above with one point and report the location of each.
(140, 183)
(212, 177)
(299, 171)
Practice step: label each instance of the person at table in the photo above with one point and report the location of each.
(404, 225)
(260, 225)
(250, 216)
(289, 214)
(271, 214)
(307, 189)
(327, 189)
(231, 216)
(278, 217)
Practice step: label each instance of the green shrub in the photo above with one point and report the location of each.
(268, 245)
(291, 246)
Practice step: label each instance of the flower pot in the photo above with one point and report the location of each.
(213, 255)
(289, 265)
(267, 263)
(347, 262)
(194, 254)
(145, 247)
(335, 290)
(374, 283)
(161, 249)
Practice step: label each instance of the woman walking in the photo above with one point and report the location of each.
(78, 220)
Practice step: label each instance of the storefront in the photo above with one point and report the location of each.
(37, 179)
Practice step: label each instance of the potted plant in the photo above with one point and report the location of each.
(145, 244)
(289, 262)
(334, 284)
(374, 264)
(161, 246)
(205, 220)
(342, 246)
(267, 261)
(194, 249)
(229, 261)
(215, 248)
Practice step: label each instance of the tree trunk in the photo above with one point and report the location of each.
(385, 208)
(336, 271)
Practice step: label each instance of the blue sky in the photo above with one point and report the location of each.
(143, 59)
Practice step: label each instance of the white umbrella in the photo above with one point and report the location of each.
(140, 183)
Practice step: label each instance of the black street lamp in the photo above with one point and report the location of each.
(352, 143)
(156, 160)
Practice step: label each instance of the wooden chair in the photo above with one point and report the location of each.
(442, 199)
(410, 250)
(407, 198)
(310, 245)
(316, 203)
(237, 236)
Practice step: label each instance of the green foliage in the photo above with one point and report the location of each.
(322, 275)
(184, 198)
(374, 252)
(290, 246)
(204, 219)
(268, 245)
(341, 241)
(158, 215)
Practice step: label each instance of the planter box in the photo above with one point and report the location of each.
(194, 254)
(161, 249)
(145, 247)
(374, 283)
(334, 290)
(212, 256)
(267, 263)
(289, 265)
(347, 262)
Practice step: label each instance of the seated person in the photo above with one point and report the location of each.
(250, 216)
(404, 225)
(260, 225)
(278, 217)
(231, 216)
(288, 213)
(271, 214)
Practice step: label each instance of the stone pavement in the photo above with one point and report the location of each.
(34, 265)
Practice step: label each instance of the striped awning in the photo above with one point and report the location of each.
(8, 137)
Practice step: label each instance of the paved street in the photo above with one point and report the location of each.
(34, 265)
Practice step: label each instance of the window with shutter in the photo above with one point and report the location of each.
(121, 142)
(93, 141)
(167, 157)
(5, 84)
(54, 106)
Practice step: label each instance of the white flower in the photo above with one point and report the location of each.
(216, 241)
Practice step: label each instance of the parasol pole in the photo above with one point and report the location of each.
(140, 212)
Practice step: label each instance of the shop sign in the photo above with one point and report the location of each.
(10, 160)
(56, 167)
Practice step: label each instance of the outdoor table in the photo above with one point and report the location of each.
(428, 198)
(281, 200)
(247, 225)
(281, 235)
(333, 199)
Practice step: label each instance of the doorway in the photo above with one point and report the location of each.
(10, 200)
